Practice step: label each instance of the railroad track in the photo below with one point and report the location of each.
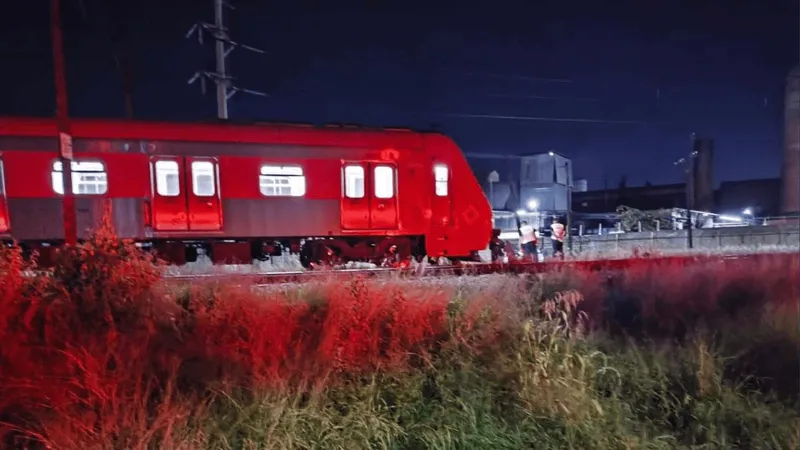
(473, 269)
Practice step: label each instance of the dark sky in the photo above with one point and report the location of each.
(662, 68)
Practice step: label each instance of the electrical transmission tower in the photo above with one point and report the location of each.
(223, 47)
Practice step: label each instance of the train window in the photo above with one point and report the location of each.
(168, 178)
(282, 181)
(2, 179)
(441, 176)
(384, 181)
(354, 182)
(88, 177)
(203, 179)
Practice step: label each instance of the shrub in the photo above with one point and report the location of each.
(77, 342)
(101, 353)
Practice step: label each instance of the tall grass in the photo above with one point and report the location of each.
(104, 355)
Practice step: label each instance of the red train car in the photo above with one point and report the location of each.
(243, 192)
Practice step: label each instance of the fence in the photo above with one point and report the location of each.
(750, 238)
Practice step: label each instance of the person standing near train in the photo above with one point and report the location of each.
(527, 239)
(557, 236)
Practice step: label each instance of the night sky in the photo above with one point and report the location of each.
(637, 77)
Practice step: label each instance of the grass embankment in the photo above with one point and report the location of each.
(102, 355)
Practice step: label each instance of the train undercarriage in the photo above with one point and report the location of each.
(395, 251)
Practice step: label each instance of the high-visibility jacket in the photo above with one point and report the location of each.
(558, 231)
(528, 234)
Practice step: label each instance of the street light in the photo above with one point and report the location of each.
(493, 178)
(747, 212)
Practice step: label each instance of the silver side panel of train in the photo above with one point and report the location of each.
(37, 219)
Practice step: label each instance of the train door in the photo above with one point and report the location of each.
(169, 196)
(185, 194)
(5, 226)
(383, 213)
(204, 207)
(369, 196)
(355, 202)
(441, 207)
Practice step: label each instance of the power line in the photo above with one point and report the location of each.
(535, 98)
(542, 119)
(490, 156)
(545, 97)
(517, 77)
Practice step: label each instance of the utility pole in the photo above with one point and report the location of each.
(690, 172)
(219, 56)
(569, 206)
(223, 47)
(62, 114)
(692, 175)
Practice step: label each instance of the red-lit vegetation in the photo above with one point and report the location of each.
(101, 354)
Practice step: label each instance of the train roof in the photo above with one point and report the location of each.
(351, 135)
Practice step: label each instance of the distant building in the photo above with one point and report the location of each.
(545, 180)
(761, 196)
(639, 197)
(537, 182)
(503, 194)
(539, 185)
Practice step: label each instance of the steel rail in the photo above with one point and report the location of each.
(474, 269)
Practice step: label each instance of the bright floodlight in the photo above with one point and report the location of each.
(551, 153)
(533, 203)
(520, 212)
(747, 212)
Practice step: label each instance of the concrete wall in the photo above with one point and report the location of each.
(757, 238)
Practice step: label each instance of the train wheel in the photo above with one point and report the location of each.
(306, 256)
(318, 255)
(393, 252)
(326, 256)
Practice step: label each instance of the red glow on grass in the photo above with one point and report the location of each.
(103, 333)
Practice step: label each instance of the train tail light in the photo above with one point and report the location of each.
(147, 212)
(4, 222)
(5, 226)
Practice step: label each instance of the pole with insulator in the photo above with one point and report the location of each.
(62, 114)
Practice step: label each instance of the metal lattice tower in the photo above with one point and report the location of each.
(223, 47)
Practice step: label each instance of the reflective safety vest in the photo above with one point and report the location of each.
(558, 231)
(528, 234)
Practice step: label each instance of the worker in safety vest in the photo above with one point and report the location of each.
(527, 239)
(559, 232)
